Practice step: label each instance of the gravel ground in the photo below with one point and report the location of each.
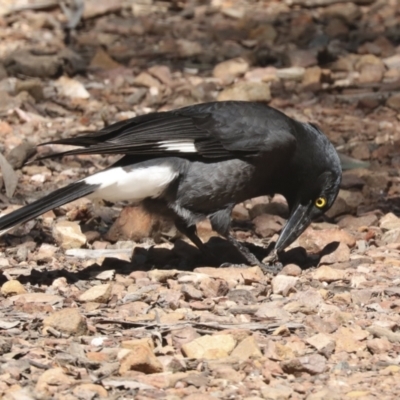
(105, 301)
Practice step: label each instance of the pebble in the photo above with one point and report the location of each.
(68, 235)
(389, 222)
(291, 270)
(52, 382)
(340, 254)
(90, 390)
(292, 73)
(67, 320)
(37, 298)
(231, 68)
(283, 284)
(140, 358)
(98, 294)
(11, 288)
(72, 88)
(313, 364)
(209, 347)
(247, 348)
(246, 91)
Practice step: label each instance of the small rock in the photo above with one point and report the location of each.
(346, 202)
(389, 222)
(350, 340)
(89, 391)
(68, 235)
(361, 152)
(267, 74)
(11, 288)
(53, 381)
(210, 347)
(291, 270)
(341, 254)
(235, 13)
(302, 58)
(325, 344)
(315, 240)
(162, 73)
(392, 236)
(46, 252)
(193, 396)
(313, 364)
(132, 343)
(101, 60)
(146, 80)
(233, 274)
(273, 310)
(162, 275)
(191, 293)
(247, 348)
(135, 223)
(141, 359)
(23, 62)
(72, 88)
(182, 336)
(5, 346)
(240, 213)
(307, 302)
(349, 12)
(231, 68)
(266, 225)
(277, 392)
(67, 320)
(98, 294)
(19, 154)
(328, 274)
(292, 73)
(392, 62)
(33, 86)
(36, 298)
(394, 102)
(353, 223)
(188, 48)
(246, 91)
(312, 79)
(379, 346)
(371, 69)
(283, 284)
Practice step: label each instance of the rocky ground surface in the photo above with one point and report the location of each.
(99, 303)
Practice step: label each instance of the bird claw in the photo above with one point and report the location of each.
(271, 269)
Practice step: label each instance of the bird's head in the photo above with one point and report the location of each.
(315, 184)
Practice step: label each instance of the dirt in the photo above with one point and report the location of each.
(135, 312)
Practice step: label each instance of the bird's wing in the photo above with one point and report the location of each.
(211, 130)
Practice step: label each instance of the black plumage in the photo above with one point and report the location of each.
(199, 161)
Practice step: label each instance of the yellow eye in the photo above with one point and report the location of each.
(320, 202)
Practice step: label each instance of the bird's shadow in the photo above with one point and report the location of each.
(182, 256)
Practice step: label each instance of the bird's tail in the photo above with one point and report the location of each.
(55, 199)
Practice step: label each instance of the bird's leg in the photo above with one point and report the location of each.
(250, 257)
(221, 223)
(190, 232)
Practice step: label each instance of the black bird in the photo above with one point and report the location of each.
(199, 161)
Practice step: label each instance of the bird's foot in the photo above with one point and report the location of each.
(271, 269)
(271, 263)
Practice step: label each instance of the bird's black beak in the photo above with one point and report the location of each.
(298, 221)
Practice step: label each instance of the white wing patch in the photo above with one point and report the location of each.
(118, 184)
(184, 146)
